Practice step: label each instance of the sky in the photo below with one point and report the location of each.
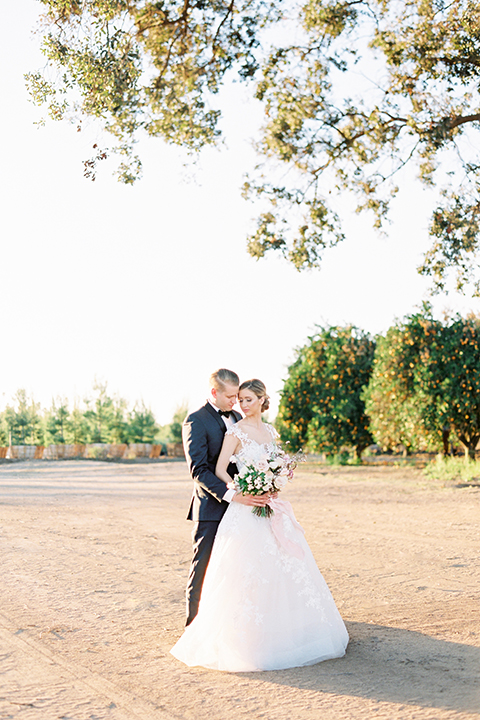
(150, 288)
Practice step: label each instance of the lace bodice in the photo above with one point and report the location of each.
(251, 451)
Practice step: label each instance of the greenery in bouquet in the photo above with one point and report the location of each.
(269, 474)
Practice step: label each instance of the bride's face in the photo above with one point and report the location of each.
(249, 403)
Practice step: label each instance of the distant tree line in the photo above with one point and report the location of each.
(101, 418)
(417, 387)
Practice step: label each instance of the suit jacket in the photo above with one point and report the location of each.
(203, 432)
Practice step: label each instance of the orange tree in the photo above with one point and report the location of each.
(321, 404)
(426, 383)
(403, 397)
(460, 364)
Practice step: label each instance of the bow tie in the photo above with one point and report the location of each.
(225, 413)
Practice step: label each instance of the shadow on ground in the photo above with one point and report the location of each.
(427, 672)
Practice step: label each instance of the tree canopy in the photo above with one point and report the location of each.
(151, 66)
(321, 405)
(353, 91)
(403, 399)
(426, 383)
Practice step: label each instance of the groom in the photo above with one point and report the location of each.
(203, 433)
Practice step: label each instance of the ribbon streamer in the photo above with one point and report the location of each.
(283, 507)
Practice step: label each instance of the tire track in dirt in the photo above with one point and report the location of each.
(94, 564)
(73, 685)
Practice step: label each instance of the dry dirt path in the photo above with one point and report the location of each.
(94, 562)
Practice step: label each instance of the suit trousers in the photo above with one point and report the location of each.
(203, 536)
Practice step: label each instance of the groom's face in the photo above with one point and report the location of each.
(225, 397)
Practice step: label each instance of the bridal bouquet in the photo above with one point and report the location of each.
(269, 474)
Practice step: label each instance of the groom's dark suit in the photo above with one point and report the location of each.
(203, 433)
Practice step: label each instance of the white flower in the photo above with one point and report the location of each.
(281, 481)
(276, 463)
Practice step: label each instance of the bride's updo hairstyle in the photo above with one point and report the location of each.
(257, 387)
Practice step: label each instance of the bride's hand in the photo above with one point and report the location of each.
(253, 500)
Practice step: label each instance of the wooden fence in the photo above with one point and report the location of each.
(99, 451)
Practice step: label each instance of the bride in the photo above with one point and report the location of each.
(264, 603)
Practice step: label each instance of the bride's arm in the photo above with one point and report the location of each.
(230, 445)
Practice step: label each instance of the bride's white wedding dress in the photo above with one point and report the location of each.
(264, 604)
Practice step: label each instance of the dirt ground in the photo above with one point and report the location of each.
(94, 558)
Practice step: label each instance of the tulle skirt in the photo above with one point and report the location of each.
(264, 604)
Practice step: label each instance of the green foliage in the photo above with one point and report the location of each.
(321, 402)
(422, 61)
(401, 398)
(426, 382)
(55, 421)
(457, 372)
(142, 427)
(340, 459)
(23, 421)
(175, 429)
(145, 66)
(448, 469)
(77, 427)
(105, 419)
(365, 88)
(3, 431)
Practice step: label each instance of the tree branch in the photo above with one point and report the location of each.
(462, 119)
(229, 12)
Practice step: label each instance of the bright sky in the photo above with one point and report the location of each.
(150, 288)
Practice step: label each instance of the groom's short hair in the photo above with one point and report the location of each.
(221, 377)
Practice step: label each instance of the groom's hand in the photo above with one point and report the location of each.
(258, 500)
